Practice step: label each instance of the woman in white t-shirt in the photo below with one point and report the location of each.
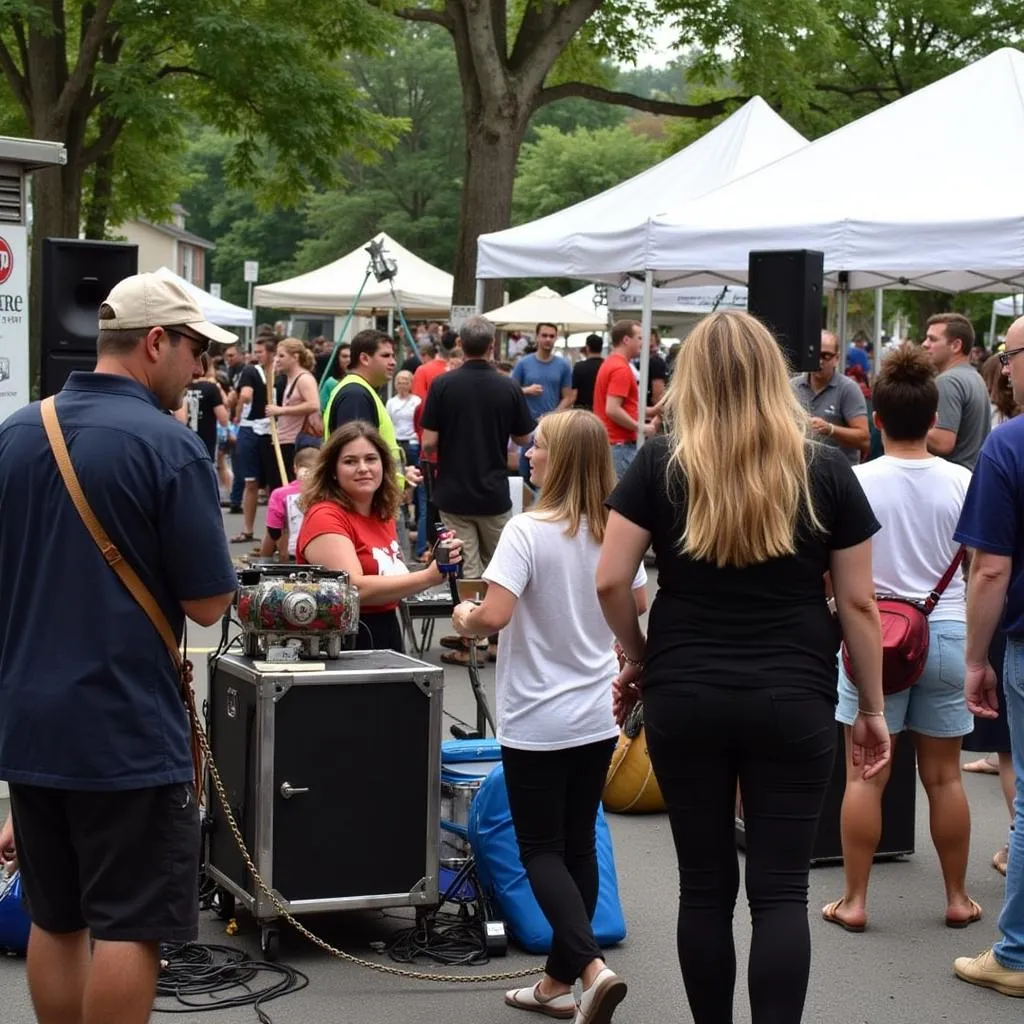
(917, 498)
(556, 665)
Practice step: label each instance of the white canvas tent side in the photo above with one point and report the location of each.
(420, 289)
(546, 306)
(1009, 305)
(607, 234)
(629, 297)
(217, 311)
(948, 225)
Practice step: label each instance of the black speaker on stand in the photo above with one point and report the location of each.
(77, 276)
(784, 292)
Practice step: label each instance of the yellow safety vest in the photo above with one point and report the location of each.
(385, 427)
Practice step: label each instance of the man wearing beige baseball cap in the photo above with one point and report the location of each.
(94, 737)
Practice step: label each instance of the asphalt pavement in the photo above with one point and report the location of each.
(899, 970)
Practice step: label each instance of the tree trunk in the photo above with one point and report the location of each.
(492, 151)
(98, 211)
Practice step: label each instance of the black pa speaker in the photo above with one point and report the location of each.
(784, 291)
(77, 276)
(899, 804)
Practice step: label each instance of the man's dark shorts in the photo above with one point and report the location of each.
(124, 865)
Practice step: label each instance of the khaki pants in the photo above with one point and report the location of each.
(479, 536)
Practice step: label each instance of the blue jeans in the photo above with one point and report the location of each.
(622, 457)
(1009, 950)
(524, 465)
(237, 480)
(411, 449)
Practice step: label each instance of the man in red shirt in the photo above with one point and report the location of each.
(427, 372)
(616, 395)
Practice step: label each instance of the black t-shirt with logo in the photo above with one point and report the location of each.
(765, 624)
(201, 400)
(475, 410)
(584, 374)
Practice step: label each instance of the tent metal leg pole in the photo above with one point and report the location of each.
(842, 302)
(876, 355)
(645, 354)
(479, 295)
(992, 329)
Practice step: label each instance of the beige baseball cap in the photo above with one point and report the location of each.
(148, 300)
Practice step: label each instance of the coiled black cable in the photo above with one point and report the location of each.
(210, 977)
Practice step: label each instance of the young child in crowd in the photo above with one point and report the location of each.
(284, 517)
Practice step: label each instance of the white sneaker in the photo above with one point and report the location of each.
(597, 1004)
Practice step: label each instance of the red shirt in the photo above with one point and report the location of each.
(425, 376)
(375, 541)
(615, 377)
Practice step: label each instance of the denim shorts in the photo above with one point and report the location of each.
(935, 705)
(248, 452)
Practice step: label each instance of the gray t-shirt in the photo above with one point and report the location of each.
(965, 410)
(839, 401)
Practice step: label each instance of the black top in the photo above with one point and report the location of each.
(320, 364)
(657, 369)
(584, 373)
(474, 410)
(412, 363)
(201, 400)
(353, 402)
(251, 378)
(760, 625)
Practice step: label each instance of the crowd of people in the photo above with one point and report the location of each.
(775, 524)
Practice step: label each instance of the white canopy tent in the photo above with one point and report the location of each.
(927, 219)
(418, 287)
(217, 311)
(628, 296)
(1009, 305)
(546, 306)
(605, 235)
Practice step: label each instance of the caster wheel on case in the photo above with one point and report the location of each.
(270, 943)
(224, 904)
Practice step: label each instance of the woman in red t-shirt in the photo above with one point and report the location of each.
(351, 500)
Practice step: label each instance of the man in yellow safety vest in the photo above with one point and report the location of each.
(356, 398)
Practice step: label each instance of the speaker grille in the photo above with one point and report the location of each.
(10, 198)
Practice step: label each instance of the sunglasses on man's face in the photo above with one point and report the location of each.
(1005, 357)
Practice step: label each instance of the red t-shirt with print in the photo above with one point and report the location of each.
(375, 541)
(615, 378)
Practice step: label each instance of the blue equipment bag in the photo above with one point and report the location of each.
(503, 876)
(14, 922)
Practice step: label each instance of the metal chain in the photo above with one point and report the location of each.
(222, 796)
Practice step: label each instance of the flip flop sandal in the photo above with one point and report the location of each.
(455, 658)
(999, 860)
(830, 913)
(242, 538)
(974, 918)
(983, 766)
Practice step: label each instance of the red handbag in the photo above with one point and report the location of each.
(905, 634)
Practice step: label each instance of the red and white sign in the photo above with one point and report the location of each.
(14, 368)
(6, 260)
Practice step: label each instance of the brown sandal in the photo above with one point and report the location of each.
(974, 918)
(830, 913)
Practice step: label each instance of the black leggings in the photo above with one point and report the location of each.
(778, 743)
(553, 796)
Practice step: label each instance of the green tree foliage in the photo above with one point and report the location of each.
(560, 168)
(412, 191)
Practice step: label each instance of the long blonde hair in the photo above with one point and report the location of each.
(738, 444)
(579, 473)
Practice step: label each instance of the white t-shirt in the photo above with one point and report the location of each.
(918, 503)
(555, 658)
(402, 411)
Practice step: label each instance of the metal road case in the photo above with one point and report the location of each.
(333, 775)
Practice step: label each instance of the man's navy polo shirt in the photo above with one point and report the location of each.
(993, 513)
(89, 698)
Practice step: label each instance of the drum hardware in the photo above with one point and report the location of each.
(291, 613)
(288, 790)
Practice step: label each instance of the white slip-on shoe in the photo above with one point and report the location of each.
(561, 1007)
(597, 1004)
